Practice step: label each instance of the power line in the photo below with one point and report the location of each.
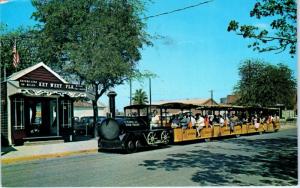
(177, 10)
(153, 16)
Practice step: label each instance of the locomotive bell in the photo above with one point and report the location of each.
(112, 104)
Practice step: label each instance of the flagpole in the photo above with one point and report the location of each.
(16, 57)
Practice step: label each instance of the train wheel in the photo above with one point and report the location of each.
(165, 137)
(130, 146)
(138, 144)
(151, 138)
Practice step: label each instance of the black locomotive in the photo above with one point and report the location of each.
(135, 130)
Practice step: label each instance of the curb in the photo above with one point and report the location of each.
(12, 160)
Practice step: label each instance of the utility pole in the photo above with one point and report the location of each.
(211, 96)
(150, 102)
(150, 93)
(130, 92)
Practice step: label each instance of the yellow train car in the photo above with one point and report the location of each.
(217, 129)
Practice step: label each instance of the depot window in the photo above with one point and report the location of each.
(19, 114)
(67, 113)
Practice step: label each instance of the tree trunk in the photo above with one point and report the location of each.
(95, 114)
(95, 111)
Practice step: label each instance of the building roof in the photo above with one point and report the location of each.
(196, 101)
(23, 72)
(88, 104)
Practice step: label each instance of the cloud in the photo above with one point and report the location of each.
(10, 1)
(168, 41)
(4, 1)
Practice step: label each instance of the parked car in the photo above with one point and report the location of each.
(85, 125)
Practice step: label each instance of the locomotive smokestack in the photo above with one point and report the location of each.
(112, 104)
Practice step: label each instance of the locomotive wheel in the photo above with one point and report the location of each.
(130, 146)
(165, 137)
(138, 144)
(151, 138)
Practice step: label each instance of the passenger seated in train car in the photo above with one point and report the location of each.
(185, 121)
(206, 121)
(244, 118)
(256, 122)
(250, 118)
(221, 120)
(276, 118)
(175, 121)
(270, 119)
(211, 118)
(233, 121)
(226, 120)
(216, 119)
(199, 124)
(263, 119)
(192, 121)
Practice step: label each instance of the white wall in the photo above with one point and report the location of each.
(80, 112)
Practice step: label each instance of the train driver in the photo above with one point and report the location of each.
(155, 119)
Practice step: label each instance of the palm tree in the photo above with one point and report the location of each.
(140, 97)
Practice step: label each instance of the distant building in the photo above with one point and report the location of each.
(230, 99)
(196, 101)
(223, 100)
(85, 108)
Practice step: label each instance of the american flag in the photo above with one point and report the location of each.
(16, 57)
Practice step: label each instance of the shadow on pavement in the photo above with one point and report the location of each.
(263, 162)
(6, 150)
(143, 149)
(82, 138)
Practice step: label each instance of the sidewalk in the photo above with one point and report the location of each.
(33, 152)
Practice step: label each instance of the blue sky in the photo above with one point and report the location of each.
(196, 53)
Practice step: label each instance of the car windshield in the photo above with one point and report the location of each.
(87, 119)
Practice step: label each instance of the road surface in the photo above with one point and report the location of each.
(268, 159)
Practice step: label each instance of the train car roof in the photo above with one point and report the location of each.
(234, 107)
(139, 106)
(178, 105)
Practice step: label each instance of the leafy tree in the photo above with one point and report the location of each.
(281, 37)
(140, 97)
(264, 84)
(98, 41)
(26, 47)
(140, 77)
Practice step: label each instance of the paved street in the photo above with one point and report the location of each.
(268, 159)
